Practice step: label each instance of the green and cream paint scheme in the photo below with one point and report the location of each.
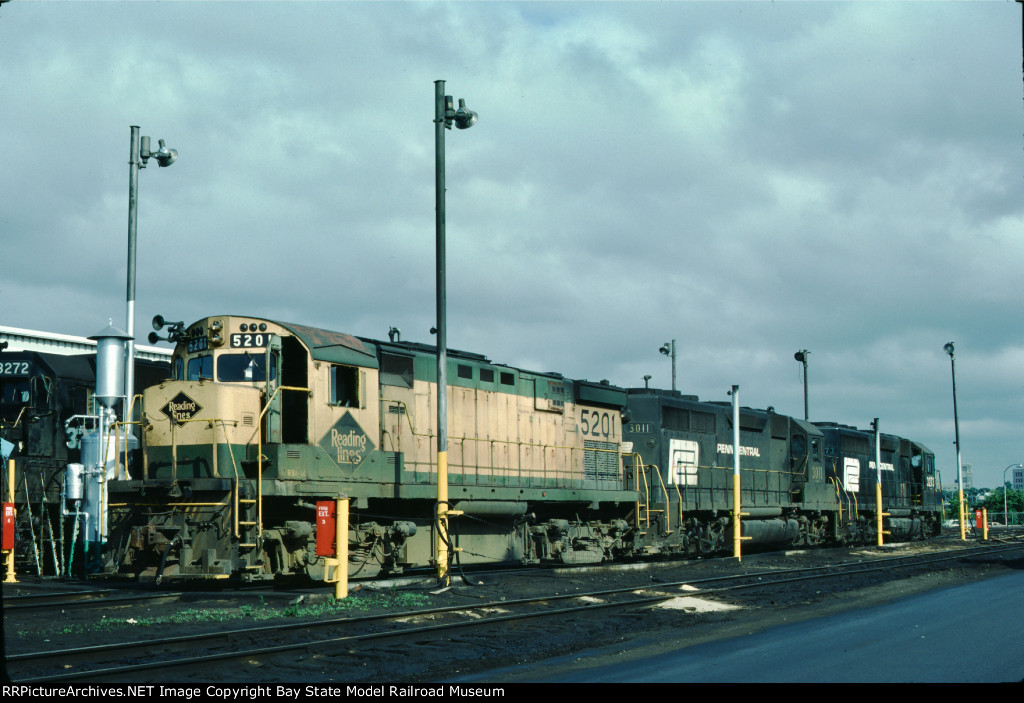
(262, 419)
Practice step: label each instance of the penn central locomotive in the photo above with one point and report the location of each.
(260, 420)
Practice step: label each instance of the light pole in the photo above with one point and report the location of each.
(1006, 515)
(139, 150)
(669, 349)
(878, 482)
(737, 529)
(956, 428)
(444, 115)
(801, 356)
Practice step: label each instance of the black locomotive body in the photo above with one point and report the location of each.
(681, 453)
(911, 500)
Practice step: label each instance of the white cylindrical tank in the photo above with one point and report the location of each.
(110, 356)
(74, 489)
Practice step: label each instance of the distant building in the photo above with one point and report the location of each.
(18, 339)
(1018, 479)
(968, 477)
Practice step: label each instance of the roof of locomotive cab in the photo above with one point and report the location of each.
(333, 347)
(807, 427)
(923, 448)
(324, 345)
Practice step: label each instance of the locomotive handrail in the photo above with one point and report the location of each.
(213, 423)
(408, 417)
(17, 420)
(668, 514)
(840, 493)
(642, 469)
(839, 497)
(647, 495)
(259, 457)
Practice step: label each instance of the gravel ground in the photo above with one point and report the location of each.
(634, 632)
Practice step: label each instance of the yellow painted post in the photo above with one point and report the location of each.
(10, 496)
(963, 526)
(984, 524)
(442, 518)
(878, 481)
(341, 547)
(736, 528)
(878, 511)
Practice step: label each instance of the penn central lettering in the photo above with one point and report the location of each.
(350, 446)
(744, 451)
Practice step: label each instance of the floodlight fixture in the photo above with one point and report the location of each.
(669, 350)
(801, 356)
(164, 156)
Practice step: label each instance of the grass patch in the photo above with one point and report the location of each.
(258, 612)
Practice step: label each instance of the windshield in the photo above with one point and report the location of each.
(14, 392)
(200, 367)
(245, 367)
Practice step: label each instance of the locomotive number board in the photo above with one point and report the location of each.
(14, 368)
(242, 340)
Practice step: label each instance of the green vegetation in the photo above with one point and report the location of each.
(260, 612)
(1014, 505)
(993, 503)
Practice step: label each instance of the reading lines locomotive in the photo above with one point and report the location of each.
(261, 419)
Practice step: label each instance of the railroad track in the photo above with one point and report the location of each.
(167, 654)
(103, 598)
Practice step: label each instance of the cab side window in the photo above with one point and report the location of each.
(344, 389)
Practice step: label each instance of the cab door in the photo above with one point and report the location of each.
(272, 418)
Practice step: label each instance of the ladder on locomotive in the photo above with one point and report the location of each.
(645, 510)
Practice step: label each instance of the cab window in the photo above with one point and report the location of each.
(344, 386)
(14, 392)
(200, 367)
(798, 446)
(245, 367)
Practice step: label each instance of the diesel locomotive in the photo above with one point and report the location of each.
(911, 496)
(260, 420)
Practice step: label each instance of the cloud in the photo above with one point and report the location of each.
(746, 178)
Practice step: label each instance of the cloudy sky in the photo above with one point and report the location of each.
(748, 179)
